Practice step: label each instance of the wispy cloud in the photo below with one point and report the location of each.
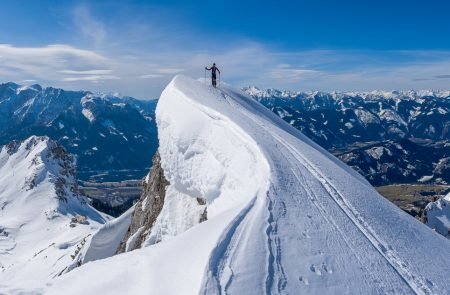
(87, 72)
(71, 67)
(146, 73)
(93, 78)
(293, 75)
(45, 63)
(151, 76)
(88, 25)
(442, 76)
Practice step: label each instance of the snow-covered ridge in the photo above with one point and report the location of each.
(204, 155)
(284, 216)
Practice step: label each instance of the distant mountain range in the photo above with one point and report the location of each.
(389, 137)
(112, 136)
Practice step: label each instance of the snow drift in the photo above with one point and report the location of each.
(284, 216)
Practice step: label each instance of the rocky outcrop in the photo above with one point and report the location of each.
(147, 208)
(47, 157)
(437, 215)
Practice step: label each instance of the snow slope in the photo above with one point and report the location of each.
(284, 216)
(106, 240)
(38, 199)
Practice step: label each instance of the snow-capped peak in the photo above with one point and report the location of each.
(45, 160)
(43, 217)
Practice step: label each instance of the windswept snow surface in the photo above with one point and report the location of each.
(291, 219)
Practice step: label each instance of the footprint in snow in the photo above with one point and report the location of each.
(327, 268)
(303, 280)
(315, 270)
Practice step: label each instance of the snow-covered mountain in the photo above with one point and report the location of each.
(438, 215)
(105, 131)
(252, 206)
(44, 221)
(389, 137)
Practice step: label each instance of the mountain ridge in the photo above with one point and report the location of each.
(303, 221)
(103, 130)
(412, 94)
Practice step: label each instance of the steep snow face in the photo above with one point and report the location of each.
(438, 215)
(292, 219)
(105, 242)
(206, 156)
(38, 199)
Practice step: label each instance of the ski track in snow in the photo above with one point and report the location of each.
(220, 272)
(416, 283)
(276, 279)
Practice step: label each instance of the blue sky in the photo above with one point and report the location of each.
(135, 47)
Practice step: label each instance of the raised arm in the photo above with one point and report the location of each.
(206, 68)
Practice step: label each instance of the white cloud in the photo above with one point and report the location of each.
(93, 78)
(55, 52)
(87, 72)
(88, 25)
(46, 63)
(293, 75)
(151, 76)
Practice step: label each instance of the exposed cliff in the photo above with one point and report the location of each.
(147, 208)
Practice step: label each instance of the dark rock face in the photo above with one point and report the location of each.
(147, 208)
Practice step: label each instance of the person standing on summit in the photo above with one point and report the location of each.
(213, 70)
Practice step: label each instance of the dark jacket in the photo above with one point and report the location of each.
(213, 70)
